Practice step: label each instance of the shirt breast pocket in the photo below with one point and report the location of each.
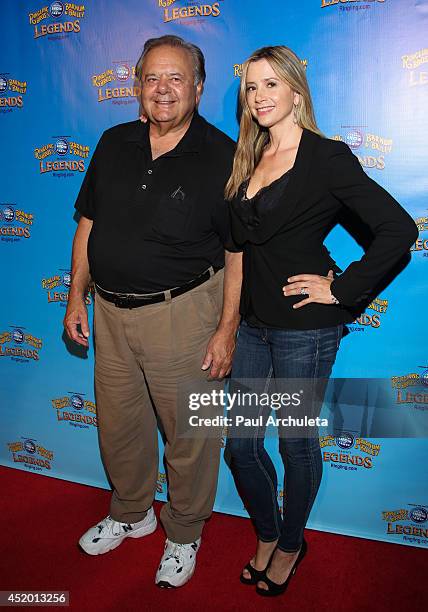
(171, 219)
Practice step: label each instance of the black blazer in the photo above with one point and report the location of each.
(289, 239)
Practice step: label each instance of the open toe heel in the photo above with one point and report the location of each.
(274, 589)
(255, 574)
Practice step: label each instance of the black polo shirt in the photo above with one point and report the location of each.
(156, 223)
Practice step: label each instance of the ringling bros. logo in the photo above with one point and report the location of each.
(24, 347)
(410, 523)
(237, 68)
(370, 148)
(117, 84)
(31, 454)
(421, 244)
(58, 26)
(75, 410)
(372, 319)
(15, 224)
(161, 483)
(8, 87)
(191, 12)
(412, 64)
(350, 453)
(350, 5)
(417, 398)
(64, 149)
(57, 288)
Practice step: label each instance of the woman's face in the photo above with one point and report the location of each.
(270, 100)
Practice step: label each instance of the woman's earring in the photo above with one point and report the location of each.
(295, 113)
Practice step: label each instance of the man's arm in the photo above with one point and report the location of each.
(222, 344)
(76, 312)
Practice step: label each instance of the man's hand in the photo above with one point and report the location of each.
(77, 314)
(221, 346)
(219, 353)
(317, 288)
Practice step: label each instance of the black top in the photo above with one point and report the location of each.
(288, 240)
(251, 211)
(156, 223)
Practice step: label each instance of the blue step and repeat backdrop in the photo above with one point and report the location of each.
(67, 74)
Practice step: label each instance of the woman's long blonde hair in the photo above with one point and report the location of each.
(253, 138)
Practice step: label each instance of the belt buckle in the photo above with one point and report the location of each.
(124, 301)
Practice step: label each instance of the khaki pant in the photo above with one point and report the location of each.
(142, 356)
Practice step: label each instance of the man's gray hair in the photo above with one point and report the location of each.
(175, 41)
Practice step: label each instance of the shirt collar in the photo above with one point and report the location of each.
(190, 143)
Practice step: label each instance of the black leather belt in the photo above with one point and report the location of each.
(134, 300)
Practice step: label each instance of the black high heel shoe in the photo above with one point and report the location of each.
(255, 574)
(274, 589)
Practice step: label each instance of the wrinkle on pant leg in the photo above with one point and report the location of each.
(252, 468)
(127, 424)
(309, 355)
(176, 335)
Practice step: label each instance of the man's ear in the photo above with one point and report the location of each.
(199, 91)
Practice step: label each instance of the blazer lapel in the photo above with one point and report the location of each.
(298, 179)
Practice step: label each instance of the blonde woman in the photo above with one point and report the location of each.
(287, 186)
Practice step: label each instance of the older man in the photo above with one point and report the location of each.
(152, 236)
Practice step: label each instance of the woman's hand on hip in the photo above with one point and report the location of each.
(315, 288)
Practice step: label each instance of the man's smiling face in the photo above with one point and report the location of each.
(169, 94)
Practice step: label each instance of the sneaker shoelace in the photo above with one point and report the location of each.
(115, 527)
(176, 552)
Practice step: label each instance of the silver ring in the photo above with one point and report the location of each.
(303, 290)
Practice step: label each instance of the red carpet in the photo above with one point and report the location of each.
(42, 519)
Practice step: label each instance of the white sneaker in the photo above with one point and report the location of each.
(177, 564)
(108, 534)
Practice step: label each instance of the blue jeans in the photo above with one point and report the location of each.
(264, 353)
